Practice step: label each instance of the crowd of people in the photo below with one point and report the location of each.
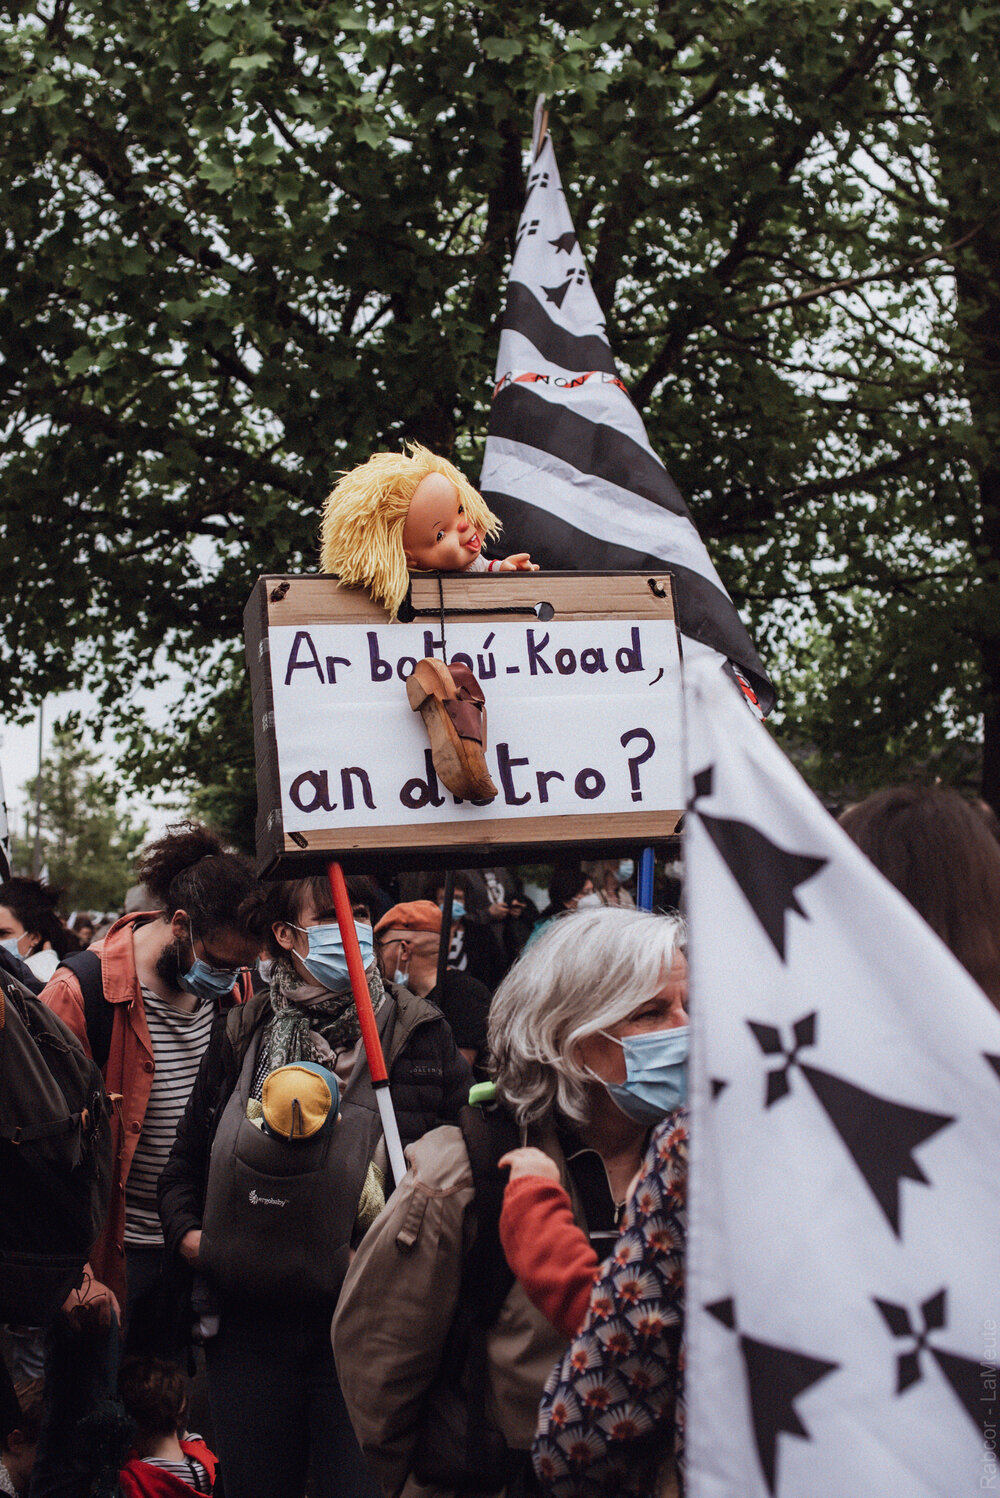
(266, 1310)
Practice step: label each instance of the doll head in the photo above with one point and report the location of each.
(365, 517)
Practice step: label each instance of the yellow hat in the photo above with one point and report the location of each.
(299, 1100)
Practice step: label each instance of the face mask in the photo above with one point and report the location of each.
(457, 910)
(326, 960)
(207, 982)
(11, 945)
(592, 901)
(655, 1074)
(625, 870)
(399, 978)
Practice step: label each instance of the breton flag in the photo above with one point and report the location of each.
(568, 466)
(843, 1277)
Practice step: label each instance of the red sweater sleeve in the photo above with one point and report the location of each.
(547, 1251)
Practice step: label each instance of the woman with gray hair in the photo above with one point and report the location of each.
(588, 1054)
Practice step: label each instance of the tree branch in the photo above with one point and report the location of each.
(721, 274)
(849, 282)
(888, 585)
(86, 417)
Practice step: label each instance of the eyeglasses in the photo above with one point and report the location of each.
(215, 965)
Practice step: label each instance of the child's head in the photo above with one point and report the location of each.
(19, 1444)
(365, 517)
(153, 1392)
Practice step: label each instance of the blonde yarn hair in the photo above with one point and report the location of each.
(363, 520)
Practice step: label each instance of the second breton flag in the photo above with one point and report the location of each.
(568, 466)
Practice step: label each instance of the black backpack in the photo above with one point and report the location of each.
(55, 1156)
(98, 1014)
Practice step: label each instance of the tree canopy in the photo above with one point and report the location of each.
(245, 244)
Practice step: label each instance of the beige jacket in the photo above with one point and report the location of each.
(398, 1302)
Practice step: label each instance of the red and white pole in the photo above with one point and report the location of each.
(366, 1015)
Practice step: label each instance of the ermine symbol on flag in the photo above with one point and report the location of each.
(777, 1376)
(963, 1374)
(767, 875)
(880, 1134)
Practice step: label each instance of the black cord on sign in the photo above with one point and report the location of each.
(407, 613)
(444, 648)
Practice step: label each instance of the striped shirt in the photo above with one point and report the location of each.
(190, 1470)
(179, 1042)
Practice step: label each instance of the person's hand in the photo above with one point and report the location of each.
(519, 561)
(528, 1161)
(95, 1296)
(190, 1245)
(499, 911)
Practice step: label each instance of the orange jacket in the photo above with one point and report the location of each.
(128, 1074)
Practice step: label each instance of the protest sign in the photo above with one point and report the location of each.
(581, 676)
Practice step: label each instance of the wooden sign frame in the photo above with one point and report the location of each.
(311, 600)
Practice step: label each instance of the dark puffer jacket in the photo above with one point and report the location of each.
(428, 1078)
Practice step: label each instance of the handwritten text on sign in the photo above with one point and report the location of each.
(582, 716)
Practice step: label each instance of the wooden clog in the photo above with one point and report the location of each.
(453, 707)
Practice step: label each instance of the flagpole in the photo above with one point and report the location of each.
(445, 943)
(539, 127)
(644, 883)
(366, 1016)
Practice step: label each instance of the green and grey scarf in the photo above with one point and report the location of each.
(309, 1022)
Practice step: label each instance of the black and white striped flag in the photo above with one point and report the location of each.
(568, 465)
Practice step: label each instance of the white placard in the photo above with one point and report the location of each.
(583, 717)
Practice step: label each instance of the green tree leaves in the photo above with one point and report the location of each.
(245, 245)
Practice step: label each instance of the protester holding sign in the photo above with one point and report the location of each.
(268, 1202)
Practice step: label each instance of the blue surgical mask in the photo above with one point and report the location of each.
(655, 1074)
(207, 982)
(326, 959)
(625, 870)
(11, 945)
(457, 910)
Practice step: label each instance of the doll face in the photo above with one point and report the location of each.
(438, 535)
